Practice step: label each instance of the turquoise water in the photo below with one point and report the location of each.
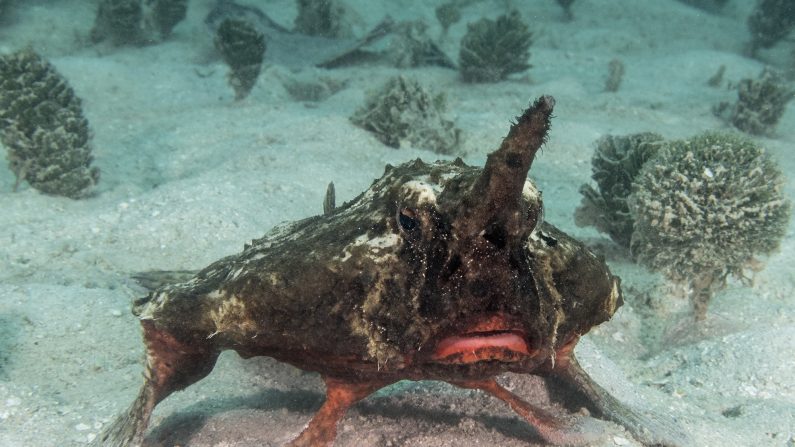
(211, 122)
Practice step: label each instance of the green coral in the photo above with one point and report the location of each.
(703, 208)
(493, 49)
(243, 48)
(403, 112)
(43, 127)
(615, 165)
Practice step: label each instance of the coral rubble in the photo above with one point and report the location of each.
(243, 47)
(43, 127)
(703, 208)
(493, 49)
(615, 164)
(402, 112)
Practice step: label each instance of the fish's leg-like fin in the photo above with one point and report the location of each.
(649, 429)
(340, 395)
(171, 365)
(553, 429)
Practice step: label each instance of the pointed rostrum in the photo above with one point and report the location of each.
(495, 199)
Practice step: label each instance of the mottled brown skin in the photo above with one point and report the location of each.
(437, 272)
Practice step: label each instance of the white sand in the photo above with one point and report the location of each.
(188, 176)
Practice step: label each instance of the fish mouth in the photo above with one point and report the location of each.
(490, 338)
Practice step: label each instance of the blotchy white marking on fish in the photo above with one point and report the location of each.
(530, 192)
(426, 193)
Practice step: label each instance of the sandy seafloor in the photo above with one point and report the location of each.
(189, 175)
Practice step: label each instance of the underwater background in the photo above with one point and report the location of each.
(176, 131)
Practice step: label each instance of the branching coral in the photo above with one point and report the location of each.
(243, 49)
(703, 208)
(43, 127)
(493, 49)
(403, 112)
(760, 103)
(615, 164)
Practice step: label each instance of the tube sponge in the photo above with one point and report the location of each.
(43, 127)
(403, 112)
(493, 49)
(703, 208)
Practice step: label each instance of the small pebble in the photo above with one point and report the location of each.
(82, 427)
(618, 440)
(115, 312)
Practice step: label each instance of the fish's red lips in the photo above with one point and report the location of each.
(491, 338)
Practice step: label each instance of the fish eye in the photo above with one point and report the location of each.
(407, 218)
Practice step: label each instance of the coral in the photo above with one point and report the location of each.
(448, 14)
(319, 18)
(120, 21)
(760, 103)
(43, 127)
(412, 47)
(615, 74)
(243, 48)
(615, 164)
(493, 49)
(403, 112)
(770, 21)
(312, 88)
(704, 208)
(716, 79)
(137, 22)
(566, 5)
(166, 14)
